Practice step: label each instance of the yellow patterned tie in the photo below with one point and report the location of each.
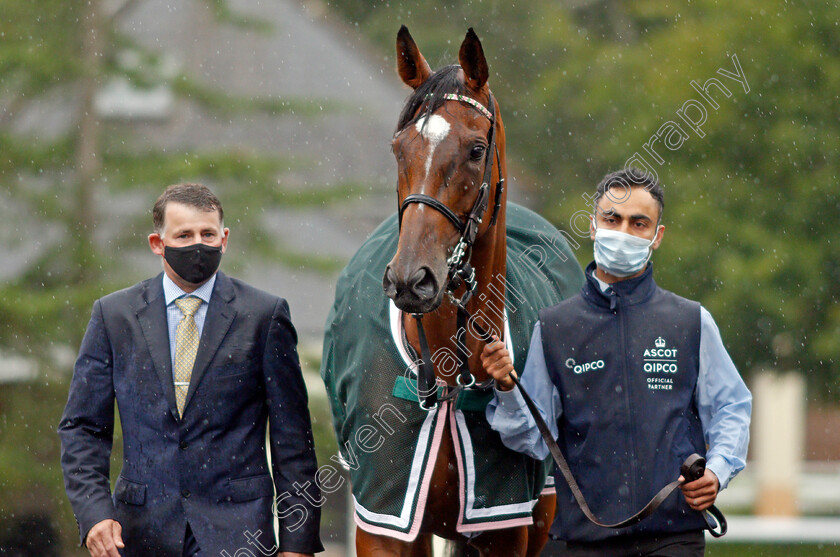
(186, 345)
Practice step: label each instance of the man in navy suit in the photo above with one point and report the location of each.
(200, 365)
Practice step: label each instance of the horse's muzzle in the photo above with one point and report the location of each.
(418, 293)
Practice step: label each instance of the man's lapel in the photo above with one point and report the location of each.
(220, 315)
(151, 313)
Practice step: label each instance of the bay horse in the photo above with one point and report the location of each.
(450, 151)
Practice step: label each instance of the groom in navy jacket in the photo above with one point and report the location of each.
(200, 365)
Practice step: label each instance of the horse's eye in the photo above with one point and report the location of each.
(477, 152)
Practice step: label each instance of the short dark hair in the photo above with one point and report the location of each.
(192, 195)
(630, 177)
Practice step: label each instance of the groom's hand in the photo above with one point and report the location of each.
(497, 363)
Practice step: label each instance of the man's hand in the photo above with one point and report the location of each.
(701, 493)
(104, 539)
(497, 363)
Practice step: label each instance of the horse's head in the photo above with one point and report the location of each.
(449, 142)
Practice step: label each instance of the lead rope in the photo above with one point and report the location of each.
(693, 468)
(427, 391)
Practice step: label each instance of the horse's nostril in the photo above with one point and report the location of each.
(389, 282)
(423, 284)
(412, 294)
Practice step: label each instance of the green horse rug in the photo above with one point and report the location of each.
(386, 441)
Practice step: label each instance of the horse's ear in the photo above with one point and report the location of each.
(412, 67)
(471, 57)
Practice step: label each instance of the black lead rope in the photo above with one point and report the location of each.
(465, 378)
(692, 469)
(426, 383)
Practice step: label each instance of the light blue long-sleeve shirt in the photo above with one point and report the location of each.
(172, 292)
(723, 401)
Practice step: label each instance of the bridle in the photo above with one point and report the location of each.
(468, 227)
(458, 265)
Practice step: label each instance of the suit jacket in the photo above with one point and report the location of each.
(208, 468)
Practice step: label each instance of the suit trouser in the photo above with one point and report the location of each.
(684, 544)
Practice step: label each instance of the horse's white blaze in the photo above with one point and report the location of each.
(434, 130)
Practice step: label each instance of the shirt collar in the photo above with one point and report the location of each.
(605, 286)
(172, 291)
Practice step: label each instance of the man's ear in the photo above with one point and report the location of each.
(660, 232)
(225, 234)
(156, 243)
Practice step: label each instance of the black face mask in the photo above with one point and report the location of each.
(196, 263)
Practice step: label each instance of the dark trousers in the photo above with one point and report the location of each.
(684, 544)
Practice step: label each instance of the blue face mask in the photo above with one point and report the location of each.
(620, 254)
